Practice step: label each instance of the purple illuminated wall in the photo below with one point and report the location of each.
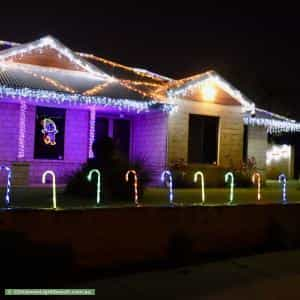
(150, 142)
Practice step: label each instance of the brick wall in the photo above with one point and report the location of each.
(149, 141)
(231, 130)
(258, 145)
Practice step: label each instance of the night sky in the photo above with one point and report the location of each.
(258, 55)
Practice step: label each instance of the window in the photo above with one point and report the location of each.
(203, 139)
(117, 129)
(49, 133)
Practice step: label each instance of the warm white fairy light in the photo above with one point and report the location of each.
(49, 41)
(277, 153)
(185, 85)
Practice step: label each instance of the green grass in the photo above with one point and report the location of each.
(42, 197)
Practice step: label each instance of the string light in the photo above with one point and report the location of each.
(180, 87)
(92, 130)
(96, 89)
(8, 184)
(199, 173)
(44, 96)
(273, 126)
(257, 177)
(170, 177)
(22, 130)
(52, 174)
(135, 184)
(89, 178)
(230, 176)
(49, 41)
(282, 180)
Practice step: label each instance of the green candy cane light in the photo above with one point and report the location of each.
(89, 178)
(229, 175)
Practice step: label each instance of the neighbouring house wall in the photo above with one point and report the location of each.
(257, 146)
(150, 142)
(231, 130)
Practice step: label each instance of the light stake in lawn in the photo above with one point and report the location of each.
(135, 185)
(227, 176)
(89, 178)
(8, 184)
(169, 174)
(282, 179)
(257, 176)
(49, 172)
(199, 173)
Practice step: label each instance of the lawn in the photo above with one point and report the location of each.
(41, 197)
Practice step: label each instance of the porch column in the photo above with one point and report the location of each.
(22, 130)
(92, 130)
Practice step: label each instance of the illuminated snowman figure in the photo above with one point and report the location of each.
(49, 131)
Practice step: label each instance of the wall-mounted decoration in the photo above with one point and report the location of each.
(49, 133)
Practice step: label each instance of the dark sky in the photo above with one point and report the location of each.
(258, 55)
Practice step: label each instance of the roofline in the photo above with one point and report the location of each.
(56, 44)
(189, 82)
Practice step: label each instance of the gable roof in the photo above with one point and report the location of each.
(182, 86)
(52, 43)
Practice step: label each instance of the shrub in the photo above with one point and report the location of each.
(113, 167)
(183, 174)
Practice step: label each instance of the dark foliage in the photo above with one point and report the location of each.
(113, 167)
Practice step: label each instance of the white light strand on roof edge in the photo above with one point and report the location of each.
(273, 126)
(44, 96)
(51, 42)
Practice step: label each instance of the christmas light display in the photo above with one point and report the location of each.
(52, 174)
(92, 130)
(8, 184)
(257, 177)
(50, 42)
(89, 178)
(282, 180)
(185, 85)
(49, 131)
(199, 173)
(230, 176)
(22, 130)
(135, 184)
(168, 174)
(44, 96)
(277, 153)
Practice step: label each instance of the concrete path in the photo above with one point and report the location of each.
(270, 276)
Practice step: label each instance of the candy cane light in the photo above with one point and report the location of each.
(282, 180)
(52, 174)
(257, 177)
(170, 177)
(8, 184)
(199, 173)
(89, 178)
(230, 176)
(135, 184)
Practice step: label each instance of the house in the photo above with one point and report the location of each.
(54, 102)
